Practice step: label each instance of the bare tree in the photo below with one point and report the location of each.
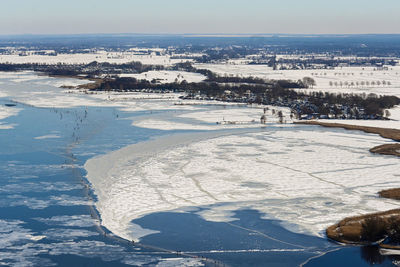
(309, 82)
(280, 115)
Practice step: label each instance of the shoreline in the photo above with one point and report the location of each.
(349, 230)
(352, 230)
(388, 149)
(390, 193)
(388, 133)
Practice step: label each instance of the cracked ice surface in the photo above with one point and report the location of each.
(308, 177)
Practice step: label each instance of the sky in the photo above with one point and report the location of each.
(201, 16)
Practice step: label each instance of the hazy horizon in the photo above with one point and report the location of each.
(206, 17)
(144, 34)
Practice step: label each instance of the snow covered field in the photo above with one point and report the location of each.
(42, 91)
(35, 78)
(99, 56)
(216, 118)
(168, 76)
(341, 78)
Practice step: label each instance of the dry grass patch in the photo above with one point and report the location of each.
(364, 229)
(390, 193)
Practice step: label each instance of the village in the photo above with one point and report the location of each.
(301, 109)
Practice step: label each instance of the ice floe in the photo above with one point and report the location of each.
(48, 136)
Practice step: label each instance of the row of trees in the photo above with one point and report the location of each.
(359, 83)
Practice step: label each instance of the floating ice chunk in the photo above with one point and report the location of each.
(48, 136)
(71, 221)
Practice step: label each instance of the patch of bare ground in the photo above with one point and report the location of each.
(364, 229)
(91, 86)
(388, 149)
(390, 193)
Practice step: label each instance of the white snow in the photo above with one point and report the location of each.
(169, 125)
(37, 78)
(168, 76)
(42, 91)
(322, 77)
(99, 56)
(216, 118)
(244, 115)
(171, 262)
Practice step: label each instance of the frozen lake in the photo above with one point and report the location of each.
(217, 194)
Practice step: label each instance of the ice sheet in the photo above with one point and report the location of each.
(308, 177)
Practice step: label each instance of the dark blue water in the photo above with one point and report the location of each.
(47, 216)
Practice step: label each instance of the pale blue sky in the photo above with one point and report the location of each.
(200, 16)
